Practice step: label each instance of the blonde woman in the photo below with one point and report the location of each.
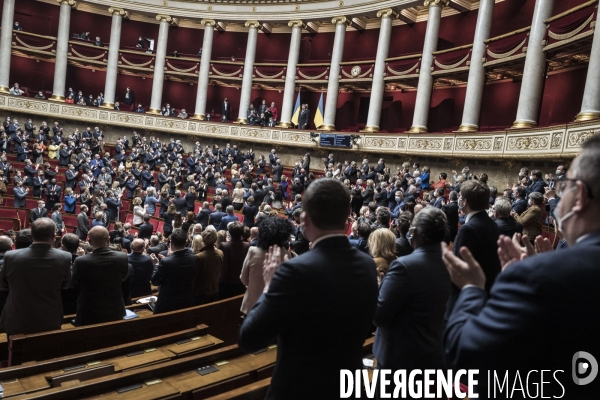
(138, 212)
(197, 244)
(238, 196)
(221, 238)
(382, 246)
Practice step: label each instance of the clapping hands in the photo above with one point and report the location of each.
(272, 261)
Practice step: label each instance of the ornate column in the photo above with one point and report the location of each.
(201, 94)
(62, 47)
(423, 100)
(159, 63)
(287, 107)
(333, 83)
(470, 119)
(590, 106)
(534, 72)
(8, 14)
(378, 84)
(110, 85)
(253, 27)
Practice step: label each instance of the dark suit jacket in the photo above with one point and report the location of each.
(175, 275)
(98, 276)
(83, 226)
(480, 236)
(451, 211)
(508, 226)
(319, 308)
(142, 273)
(145, 230)
(226, 220)
(410, 311)
(34, 277)
(534, 306)
(519, 206)
(35, 214)
(215, 218)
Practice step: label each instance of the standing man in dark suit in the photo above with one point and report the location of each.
(234, 254)
(319, 327)
(277, 171)
(215, 217)
(146, 228)
(39, 212)
(451, 211)
(34, 277)
(142, 269)
(272, 158)
(303, 117)
(519, 205)
(479, 233)
(556, 292)
(175, 274)
(412, 300)
(225, 110)
(20, 193)
(83, 223)
(99, 275)
(507, 225)
(227, 219)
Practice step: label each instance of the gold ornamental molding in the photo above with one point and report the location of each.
(436, 3)
(554, 142)
(119, 11)
(342, 20)
(297, 23)
(206, 22)
(71, 3)
(167, 18)
(387, 13)
(253, 24)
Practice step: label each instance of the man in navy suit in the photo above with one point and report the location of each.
(227, 219)
(142, 270)
(537, 183)
(412, 300)
(479, 233)
(543, 310)
(216, 216)
(318, 306)
(520, 204)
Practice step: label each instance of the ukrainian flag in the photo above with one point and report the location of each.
(296, 113)
(319, 113)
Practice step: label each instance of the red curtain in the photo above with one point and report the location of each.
(571, 22)
(507, 44)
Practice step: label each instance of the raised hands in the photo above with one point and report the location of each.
(272, 261)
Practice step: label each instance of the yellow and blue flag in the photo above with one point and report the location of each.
(296, 113)
(319, 113)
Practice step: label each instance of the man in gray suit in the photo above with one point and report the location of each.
(83, 223)
(98, 275)
(20, 193)
(34, 277)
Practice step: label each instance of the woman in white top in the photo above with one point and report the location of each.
(271, 232)
(138, 212)
(238, 196)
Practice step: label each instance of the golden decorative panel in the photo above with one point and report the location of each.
(298, 137)
(473, 144)
(81, 112)
(576, 139)
(26, 103)
(380, 142)
(425, 144)
(255, 133)
(171, 124)
(126, 118)
(528, 143)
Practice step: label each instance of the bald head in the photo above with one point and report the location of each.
(98, 237)
(5, 244)
(137, 246)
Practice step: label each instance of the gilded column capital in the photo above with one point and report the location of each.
(436, 3)
(387, 13)
(71, 3)
(118, 11)
(208, 22)
(167, 18)
(341, 20)
(297, 23)
(253, 24)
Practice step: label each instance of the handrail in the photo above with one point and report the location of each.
(571, 11)
(527, 28)
(466, 46)
(34, 35)
(406, 57)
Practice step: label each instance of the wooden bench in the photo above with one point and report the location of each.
(104, 362)
(223, 316)
(180, 378)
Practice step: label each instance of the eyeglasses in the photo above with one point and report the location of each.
(562, 186)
